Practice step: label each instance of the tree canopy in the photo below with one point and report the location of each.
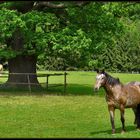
(81, 34)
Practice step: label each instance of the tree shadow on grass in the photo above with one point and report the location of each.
(118, 131)
(71, 89)
(75, 89)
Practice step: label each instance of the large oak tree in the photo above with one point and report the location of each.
(29, 28)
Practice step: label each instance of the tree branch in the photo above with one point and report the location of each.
(25, 6)
(81, 3)
(50, 4)
(131, 3)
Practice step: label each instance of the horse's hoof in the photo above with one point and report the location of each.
(113, 132)
(138, 129)
(123, 131)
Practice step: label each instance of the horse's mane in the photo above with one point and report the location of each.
(111, 80)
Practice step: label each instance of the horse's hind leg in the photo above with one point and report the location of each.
(135, 112)
(138, 116)
(122, 118)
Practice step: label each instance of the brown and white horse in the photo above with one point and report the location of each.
(118, 96)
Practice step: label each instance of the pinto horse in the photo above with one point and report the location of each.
(119, 96)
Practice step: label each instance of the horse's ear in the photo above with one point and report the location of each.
(118, 79)
(103, 71)
(97, 70)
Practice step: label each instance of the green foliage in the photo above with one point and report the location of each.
(35, 27)
(40, 29)
(124, 57)
(68, 49)
(9, 21)
(98, 23)
(121, 53)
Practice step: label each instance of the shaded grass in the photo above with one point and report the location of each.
(78, 83)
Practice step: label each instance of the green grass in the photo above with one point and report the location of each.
(79, 114)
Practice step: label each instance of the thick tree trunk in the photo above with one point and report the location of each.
(22, 71)
(22, 68)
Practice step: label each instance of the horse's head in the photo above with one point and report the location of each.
(100, 79)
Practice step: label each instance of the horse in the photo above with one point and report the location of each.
(1, 68)
(119, 96)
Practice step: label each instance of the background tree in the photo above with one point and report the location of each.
(120, 52)
(98, 22)
(123, 57)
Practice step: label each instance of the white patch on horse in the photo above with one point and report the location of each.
(100, 76)
(111, 113)
(137, 83)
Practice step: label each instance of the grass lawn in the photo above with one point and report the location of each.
(79, 114)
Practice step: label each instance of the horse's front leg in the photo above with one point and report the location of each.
(122, 118)
(112, 114)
